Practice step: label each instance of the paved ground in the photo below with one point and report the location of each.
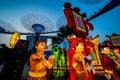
(25, 72)
(26, 69)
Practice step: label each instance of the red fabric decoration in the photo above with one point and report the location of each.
(69, 16)
(76, 21)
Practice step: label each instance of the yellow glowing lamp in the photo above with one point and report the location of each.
(14, 38)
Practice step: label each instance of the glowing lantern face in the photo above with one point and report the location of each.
(38, 28)
(41, 47)
(14, 39)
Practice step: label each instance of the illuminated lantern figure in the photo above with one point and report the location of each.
(38, 63)
(60, 63)
(79, 65)
(114, 42)
(56, 53)
(108, 61)
(86, 52)
(72, 39)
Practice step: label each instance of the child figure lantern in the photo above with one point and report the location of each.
(38, 63)
(71, 53)
(79, 64)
